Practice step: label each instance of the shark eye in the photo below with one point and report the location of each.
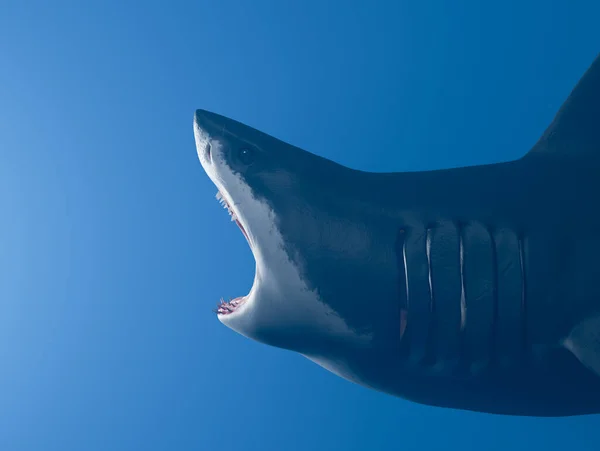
(246, 155)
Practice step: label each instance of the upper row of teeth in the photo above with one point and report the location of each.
(226, 206)
(225, 307)
(234, 302)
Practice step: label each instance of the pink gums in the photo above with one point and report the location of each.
(225, 308)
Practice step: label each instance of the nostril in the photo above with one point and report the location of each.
(207, 150)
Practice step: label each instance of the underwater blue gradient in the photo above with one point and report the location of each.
(113, 250)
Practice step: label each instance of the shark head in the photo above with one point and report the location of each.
(286, 202)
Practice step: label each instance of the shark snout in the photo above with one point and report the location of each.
(211, 125)
(204, 131)
(208, 127)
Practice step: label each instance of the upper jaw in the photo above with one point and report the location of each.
(203, 142)
(206, 131)
(207, 149)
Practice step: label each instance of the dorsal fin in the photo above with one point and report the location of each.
(575, 130)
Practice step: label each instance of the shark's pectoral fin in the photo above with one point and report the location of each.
(584, 343)
(575, 130)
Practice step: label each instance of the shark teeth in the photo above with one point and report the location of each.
(226, 206)
(225, 308)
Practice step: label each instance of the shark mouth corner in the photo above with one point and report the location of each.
(228, 307)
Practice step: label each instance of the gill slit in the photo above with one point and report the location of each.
(403, 289)
(405, 264)
(493, 345)
(463, 300)
(462, 345)
(430, 355)
(524, 338)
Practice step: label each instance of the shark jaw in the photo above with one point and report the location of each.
(210, 153)
(263, 312)
(282, 309)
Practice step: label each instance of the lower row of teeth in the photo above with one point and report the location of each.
(228, 307)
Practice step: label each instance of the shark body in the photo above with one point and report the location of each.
(474, 288)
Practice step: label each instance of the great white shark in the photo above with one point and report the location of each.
(474, 288)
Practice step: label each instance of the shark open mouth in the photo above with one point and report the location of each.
(228, 307)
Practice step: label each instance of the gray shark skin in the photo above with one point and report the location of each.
(474, 288)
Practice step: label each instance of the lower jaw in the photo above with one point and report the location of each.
(222, 310)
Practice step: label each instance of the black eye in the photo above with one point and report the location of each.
(246, 155)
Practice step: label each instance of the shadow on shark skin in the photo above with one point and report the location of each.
(470, 288)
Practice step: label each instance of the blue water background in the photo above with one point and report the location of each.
(113, 250)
